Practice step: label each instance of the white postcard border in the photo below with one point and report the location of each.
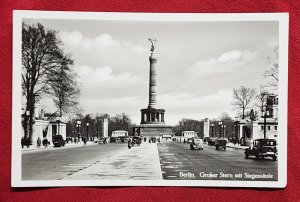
(282, 18)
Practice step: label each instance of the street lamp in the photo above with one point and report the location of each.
(237, 120)
(212, 130)
(266, 114)
(78, 126)
(220, 127)
(224, 129)
(87, 131)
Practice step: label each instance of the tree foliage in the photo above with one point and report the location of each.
(117, 122)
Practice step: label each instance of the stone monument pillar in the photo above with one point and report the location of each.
(152, 82)
(152, 118)
(206, 127)
(104, 128)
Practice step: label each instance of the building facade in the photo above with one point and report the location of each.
(264, 127)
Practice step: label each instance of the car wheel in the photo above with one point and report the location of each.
(246, 155)
(274, 158)
(217, 148)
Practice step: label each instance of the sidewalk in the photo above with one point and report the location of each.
(51, 147)
(137, 163)
(236, 146)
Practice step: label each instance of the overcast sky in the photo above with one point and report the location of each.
(199, 64)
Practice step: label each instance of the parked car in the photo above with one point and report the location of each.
(102, 140)
(190, 140)
(197, 143)
(58, 141)
(220, 143)
(211, 141)
(206, 139)
(136, 140)
(262, 148)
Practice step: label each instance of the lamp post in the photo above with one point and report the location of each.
(78, 126)
(220, 127)
(212, 130)
(266, 114)
(224, 129)
(237, 120)
(87, 131)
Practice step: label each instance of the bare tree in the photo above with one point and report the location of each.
(273, 72)
(243, 97)
(41, 56)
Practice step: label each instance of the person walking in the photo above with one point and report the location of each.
(129, 143)
(38, 142)
(84, 141)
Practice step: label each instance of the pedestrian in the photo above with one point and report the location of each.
(22, 142)
(45, 142)
(84, 141)
(38, 142)
(129, 143)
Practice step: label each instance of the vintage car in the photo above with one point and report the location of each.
(58, 141)
(211, 141)
(206, 139)
(220, 143)
(102, 140)
(136, 140)
(262, 148)
(197, 143)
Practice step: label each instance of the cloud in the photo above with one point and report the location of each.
(103, 41)
(103, 77)
(226, 63)
(193, 101)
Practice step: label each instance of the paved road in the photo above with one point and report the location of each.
(61, 162)
(178, 162)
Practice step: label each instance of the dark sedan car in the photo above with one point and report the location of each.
(211, 141)
(58, 141)
(220, 143)
(262, 148)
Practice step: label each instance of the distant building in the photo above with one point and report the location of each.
(249, 129)
(45, 128)
(189, 134)
(119, 133)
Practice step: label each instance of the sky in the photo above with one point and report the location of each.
(198, 64)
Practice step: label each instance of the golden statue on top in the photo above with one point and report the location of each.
(153, 42)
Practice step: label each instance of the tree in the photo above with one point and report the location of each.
(243, 97)
(41, 55)
(273, 72)
(262, 99)
(64, 89)
(228, 122)
(188, 125)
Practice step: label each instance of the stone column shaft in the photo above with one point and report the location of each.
(152, 82)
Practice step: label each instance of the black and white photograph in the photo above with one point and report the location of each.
(141, 99)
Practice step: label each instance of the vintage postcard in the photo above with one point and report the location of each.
(149, 99)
